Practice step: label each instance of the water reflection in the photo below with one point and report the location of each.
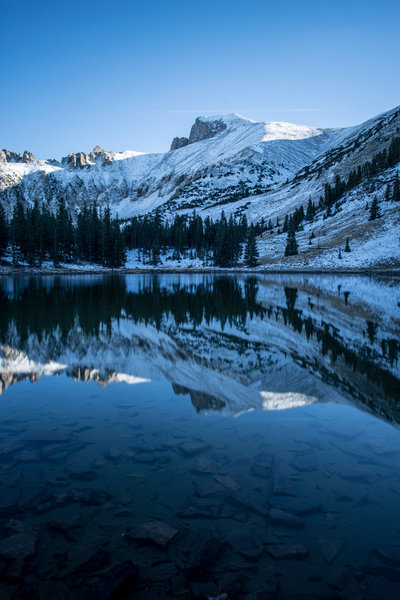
(224, 338)
(123, 475)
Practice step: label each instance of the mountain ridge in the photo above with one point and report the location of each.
(261, 169)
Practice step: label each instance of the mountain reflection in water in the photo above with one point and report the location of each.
(123, 474)
(225, 340)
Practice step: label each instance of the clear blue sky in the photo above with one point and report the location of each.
(133, 74)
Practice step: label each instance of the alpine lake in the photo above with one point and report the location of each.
(179, 436)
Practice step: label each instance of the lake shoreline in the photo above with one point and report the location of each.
(185, 271)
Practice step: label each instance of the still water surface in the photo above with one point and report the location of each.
(180, 436)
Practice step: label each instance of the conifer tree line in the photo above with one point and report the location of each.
(220, 242)
(36, 234)
(381, 161)
(386, 159)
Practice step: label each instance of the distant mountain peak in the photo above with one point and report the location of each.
(203, 128)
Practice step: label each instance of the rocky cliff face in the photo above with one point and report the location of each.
(205, 129)
(179, 142)
(202, 129)
(80, 160)
(6, 156)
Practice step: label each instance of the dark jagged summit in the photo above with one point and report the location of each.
(202, 129)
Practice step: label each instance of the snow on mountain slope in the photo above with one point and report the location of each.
(269, 152)
(262, 169)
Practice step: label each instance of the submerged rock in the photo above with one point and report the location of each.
(228, 482)
(209, 508)
(83, 475)
(331, 548)
(246, 544)
(280, 517)
(244, 501)
(283, 551)
(39, 497)
(95, 561)
(207, 487)
(297, 506)
(304, 462)
(263, 468)
(113, 453)
(203, 466)
(283, 487)
(66, 526)
(115, 582)
(201, 556)
(193, 448)
(18, 546)
(156, 531)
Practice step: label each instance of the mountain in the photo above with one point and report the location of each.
(262, 169)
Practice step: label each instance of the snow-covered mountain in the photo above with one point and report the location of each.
(263, 169)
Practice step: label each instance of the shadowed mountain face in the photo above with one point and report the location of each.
(232, 343)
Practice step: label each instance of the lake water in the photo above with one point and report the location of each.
(190, 436)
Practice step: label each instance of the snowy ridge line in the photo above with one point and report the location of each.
(261, 169)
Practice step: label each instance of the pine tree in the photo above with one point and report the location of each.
(107, 238)
(285, 224)
(310, 210)
(119, 254)
(251, 251)
(374, 212)
(291, 243)
(347, 247)
(19, 235)
(155, 253)
(3, 231)
(396, 189)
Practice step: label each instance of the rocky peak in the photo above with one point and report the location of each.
(202, 129)
(28, 157)
(179, 142)
(80, 160)
(6, 156)
(98, 150)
